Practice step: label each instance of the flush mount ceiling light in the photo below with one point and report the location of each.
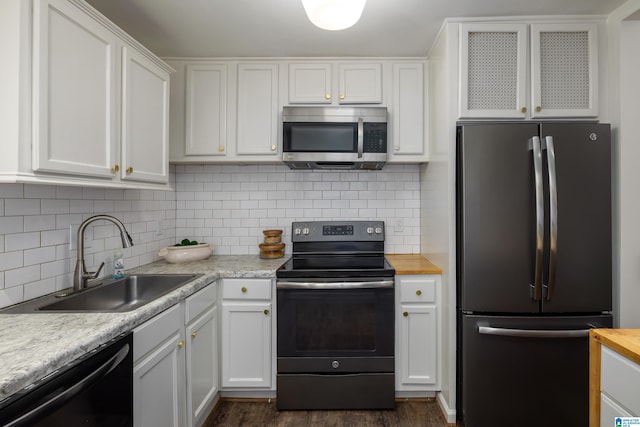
(333, 14)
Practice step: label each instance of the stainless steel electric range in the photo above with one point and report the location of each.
(336, 318)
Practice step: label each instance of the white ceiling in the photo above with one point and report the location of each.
(280, 28)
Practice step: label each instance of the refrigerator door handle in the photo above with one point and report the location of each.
(553, 214)
(535, 147)
(533, 333)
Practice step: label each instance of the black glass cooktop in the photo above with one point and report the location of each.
(347, 266)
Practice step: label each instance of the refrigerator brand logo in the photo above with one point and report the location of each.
(627, 421)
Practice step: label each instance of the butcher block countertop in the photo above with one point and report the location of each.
(412, 264)
(624, 341)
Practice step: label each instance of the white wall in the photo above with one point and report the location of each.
(624, 33)
(34, 233)
(437, 184)
(229, 206)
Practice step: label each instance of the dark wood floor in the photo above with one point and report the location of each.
(409, 413)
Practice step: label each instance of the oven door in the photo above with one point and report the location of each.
(350, 323)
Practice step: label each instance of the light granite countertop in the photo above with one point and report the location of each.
(34, 345)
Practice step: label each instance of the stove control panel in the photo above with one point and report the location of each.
(327, 231)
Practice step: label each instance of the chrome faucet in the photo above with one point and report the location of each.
(81, 275)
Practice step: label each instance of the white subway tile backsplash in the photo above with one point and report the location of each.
(226, 205)
(10, 260)
(21, 241)
(53, 269)
(39, 288)
(10, 224)
(21, 207)
(38, 255)
(11, 296)
(22, 275)
(8, 191)
(34, 233)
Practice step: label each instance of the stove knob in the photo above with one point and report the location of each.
(378, 230)
(296, 231)
(369, 230)
(305, 231)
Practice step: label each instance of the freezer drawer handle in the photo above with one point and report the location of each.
(533, 333)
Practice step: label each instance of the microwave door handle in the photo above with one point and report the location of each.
(360, 137)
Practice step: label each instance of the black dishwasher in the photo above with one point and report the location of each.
(94, 390)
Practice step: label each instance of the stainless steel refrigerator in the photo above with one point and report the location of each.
(534, 269)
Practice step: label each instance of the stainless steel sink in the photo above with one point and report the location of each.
(119, 295)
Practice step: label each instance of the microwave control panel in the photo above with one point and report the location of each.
(375, 138)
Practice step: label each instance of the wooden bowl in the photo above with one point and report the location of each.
(271, 247)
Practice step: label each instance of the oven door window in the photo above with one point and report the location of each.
(320, 137)
(350, 323)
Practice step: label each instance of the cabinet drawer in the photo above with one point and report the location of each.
(154, 331)
(199, 302)
(620, 378)
(246, 289)
(417, 290)
(609, 410)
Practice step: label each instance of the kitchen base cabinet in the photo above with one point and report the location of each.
(158, 371)
(416, 333)
(247, 324)
(175, 364)
(614, 369)
(202, 366)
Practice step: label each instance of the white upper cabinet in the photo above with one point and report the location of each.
(74, 97)
(257, 131)
(493, 70)
(224, 111)
(144, 119)
(310, 83)
(314, 83)
(495, 81)
(360, 83)
(206, 110)
(564, 66)
(92, 105)
(408, 114)
(229, 111)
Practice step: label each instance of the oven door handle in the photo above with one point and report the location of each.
(336, 285)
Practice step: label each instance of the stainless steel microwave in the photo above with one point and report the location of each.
(334, 137)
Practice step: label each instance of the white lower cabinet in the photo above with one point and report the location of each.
(619, 379)
(247, 324)
(202, 365)
(175, 372)
(417, 341)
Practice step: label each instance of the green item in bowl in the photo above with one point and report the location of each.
(186, 242)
